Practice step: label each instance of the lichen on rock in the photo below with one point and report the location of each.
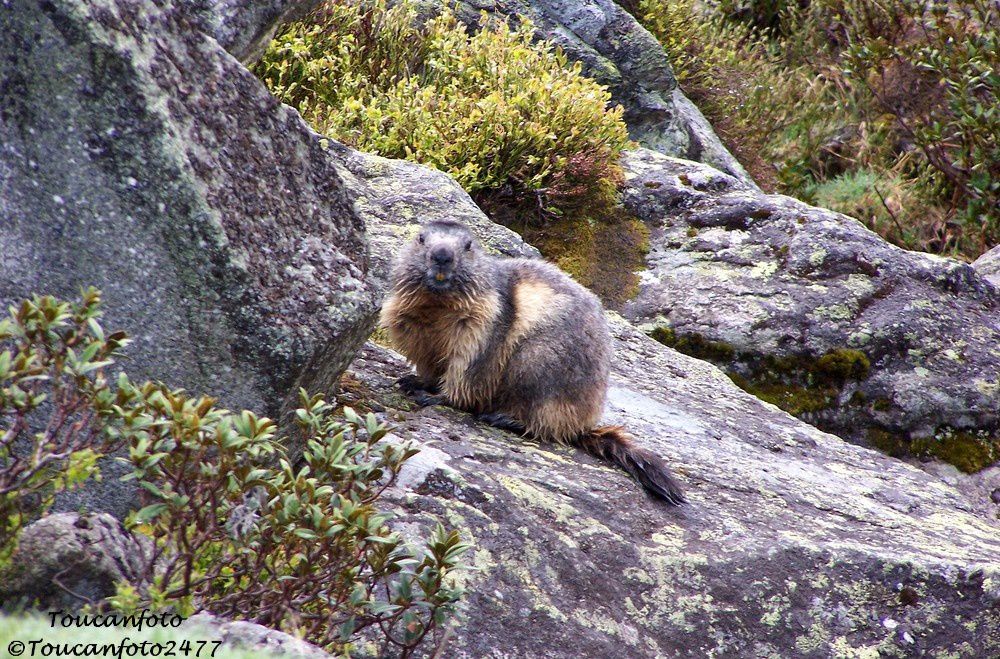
(813, 312)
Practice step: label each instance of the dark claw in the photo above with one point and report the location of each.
(503, 422)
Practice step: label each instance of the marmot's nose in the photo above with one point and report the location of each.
(442, 256)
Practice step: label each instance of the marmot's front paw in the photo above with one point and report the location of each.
(410, 383)
(503, 422)
(426, 399)
(421, 392)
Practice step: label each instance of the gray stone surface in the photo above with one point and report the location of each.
(252, 637)
(245, 27)
(794, 543)
(139, 157)
(988, 265)
(66, 560)
(769, 278)
(617, 51)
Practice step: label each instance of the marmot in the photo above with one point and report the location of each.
(515, 341)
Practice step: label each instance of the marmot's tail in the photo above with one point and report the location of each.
(613, 444)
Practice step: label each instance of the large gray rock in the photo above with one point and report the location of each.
(259, 640)
(137, 156)
(988, 265)
(66, 560)
(617, 51)
(794, 543)
(812, 311)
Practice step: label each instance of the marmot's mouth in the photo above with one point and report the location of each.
(436, 280)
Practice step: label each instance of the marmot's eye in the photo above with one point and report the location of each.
(468, 245)
(420, 239)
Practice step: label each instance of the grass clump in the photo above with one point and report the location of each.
(506, 116)
(237, 529)
(898, 97)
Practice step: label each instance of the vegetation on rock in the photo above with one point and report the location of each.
(238, 529)
(884, 110)
(56, 405)
(242, 532)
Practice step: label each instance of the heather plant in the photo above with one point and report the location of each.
(503, 114)
(238, 527)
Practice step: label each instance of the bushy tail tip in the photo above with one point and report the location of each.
(612, 443)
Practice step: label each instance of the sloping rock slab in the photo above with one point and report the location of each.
(988, 265)
(768, 287)
(794, 542)
(137, 156)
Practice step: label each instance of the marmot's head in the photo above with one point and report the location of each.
(443, 258)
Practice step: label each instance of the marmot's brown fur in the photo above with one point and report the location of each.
(515, 341)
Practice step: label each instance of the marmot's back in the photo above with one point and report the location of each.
(556, 377)
(516, 341)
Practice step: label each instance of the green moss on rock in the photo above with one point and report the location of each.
(695, 345)
(602, 249)
(970, 451)
(843, 364)
(798, 384)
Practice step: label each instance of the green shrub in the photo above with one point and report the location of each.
(499, 112)
(805, 93)
(55, 405)
(885, 202)
(241, 532)
(955, 124)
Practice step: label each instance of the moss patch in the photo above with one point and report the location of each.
(695, 345)
(796, 400)
(892, 444)
(603, 253)
(798, 384)
(970, 451)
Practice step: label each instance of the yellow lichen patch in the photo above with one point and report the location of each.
(604, 624)
(673, 572)
(539, 499)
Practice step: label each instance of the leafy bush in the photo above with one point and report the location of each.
(502, 114)
(241, 532)
(955, 59)
(55, 404)
(902, 93)
(238, 530)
